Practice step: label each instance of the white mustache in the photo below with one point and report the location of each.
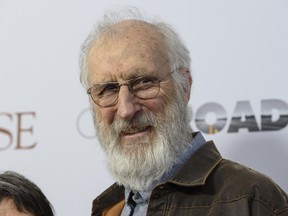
(139, 122)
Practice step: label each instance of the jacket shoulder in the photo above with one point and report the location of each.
(246, 182)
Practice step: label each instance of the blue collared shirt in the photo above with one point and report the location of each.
(141, 197)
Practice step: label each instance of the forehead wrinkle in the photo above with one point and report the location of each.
(141, 34)
(127, 40)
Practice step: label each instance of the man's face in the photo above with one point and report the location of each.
(138, 136)
(8, 208)
(132, 55)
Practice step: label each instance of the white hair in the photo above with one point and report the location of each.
(177, 53)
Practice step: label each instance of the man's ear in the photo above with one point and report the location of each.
(187, 87)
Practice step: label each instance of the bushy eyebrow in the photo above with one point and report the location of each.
(131, 74)
(141, 72)
(134, 76)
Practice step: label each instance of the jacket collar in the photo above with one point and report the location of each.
(196, 170)
(110, 197)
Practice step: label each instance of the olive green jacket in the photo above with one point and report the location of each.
(206, 185)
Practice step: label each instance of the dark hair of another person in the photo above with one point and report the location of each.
(26, 195)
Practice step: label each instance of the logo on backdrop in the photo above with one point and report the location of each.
(273, 117)
(212, 118)
(85, 125)
(16, 130)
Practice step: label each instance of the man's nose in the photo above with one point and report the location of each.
(127, 104)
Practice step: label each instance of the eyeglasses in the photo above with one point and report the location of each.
(106, 94)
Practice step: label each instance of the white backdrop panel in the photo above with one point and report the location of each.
(239, 55)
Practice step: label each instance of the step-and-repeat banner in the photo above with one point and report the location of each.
(239, 97)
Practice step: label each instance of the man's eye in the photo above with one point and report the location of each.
(143, 83)
(108, 89)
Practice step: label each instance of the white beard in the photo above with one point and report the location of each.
(138, 164)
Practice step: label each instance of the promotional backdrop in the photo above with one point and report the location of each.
(239, 99)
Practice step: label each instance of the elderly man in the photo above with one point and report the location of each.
(137, 74)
